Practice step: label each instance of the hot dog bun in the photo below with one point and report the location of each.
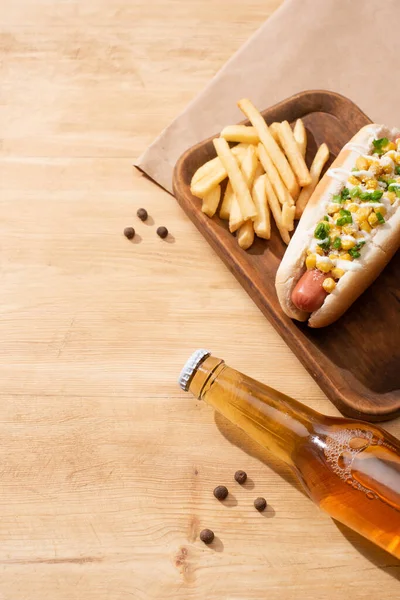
(376, 254)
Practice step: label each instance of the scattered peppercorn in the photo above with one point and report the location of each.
(221, 492)
(240, 477)
(142, 214)
(162, 232)
(129, 233)
(207, 536)
(260, 504)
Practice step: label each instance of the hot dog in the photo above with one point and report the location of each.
(308, 294)
(349, 230)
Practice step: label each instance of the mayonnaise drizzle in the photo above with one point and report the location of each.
(348, 238)
(347, 265)
(371, 157)
(324, 260)
(360, 173)
(338, 173)
(342, 174)
(360, 148)
(386, 161)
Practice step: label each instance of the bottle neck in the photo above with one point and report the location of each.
(274, 420)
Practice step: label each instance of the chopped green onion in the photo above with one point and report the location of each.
(354, 253)
(379, 145)
(391, 181)
(355, 191)
(326, 218)
(321, 231)
(354, 170)
(325, 245)
(340, 198)
(385, 183)
(397, 169)
(344, 213)
(375, 196)
(344, 221)
(364, 195)
(380, 217)
(395, 187)
(337, 242)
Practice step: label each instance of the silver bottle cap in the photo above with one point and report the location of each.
(190, 367)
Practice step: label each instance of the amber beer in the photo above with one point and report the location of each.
(351, 469)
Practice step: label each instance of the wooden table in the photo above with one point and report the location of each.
(107, 469)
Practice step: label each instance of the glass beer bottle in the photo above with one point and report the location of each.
(351, 469)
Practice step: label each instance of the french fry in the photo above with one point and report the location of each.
(249, 165)
(293, 154)
(318, 163)
(274, 127)
(288, 216)
(240, 133)
(206, 170)
(204, 186)
(273, 175)
(229, 196)
(212, 165)
(271, 147)
(300, 135)
(212, 173)
(239, 151)
(262, 223)
(276, 210)
(259, 171)
(211, 201)
(236, 178)
(236, 219)
(245, 236)
(248, 169)
(226, 205)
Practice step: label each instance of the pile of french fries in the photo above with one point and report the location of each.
(266, 172)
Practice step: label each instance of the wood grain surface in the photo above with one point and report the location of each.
(107, 469)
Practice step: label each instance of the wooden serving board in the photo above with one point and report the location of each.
(355, 361)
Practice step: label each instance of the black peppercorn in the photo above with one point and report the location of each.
(207, 536)
(240, 477)
(221, 492)
(129, 233)
(260, 504)
(162, 232)
(142, 214)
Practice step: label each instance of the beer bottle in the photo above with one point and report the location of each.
(349, 468)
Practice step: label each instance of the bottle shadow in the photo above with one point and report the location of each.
(240, 439)
(378, 557)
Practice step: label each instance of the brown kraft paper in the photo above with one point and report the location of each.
(346, 46)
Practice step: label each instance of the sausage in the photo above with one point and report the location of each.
(309, 295)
